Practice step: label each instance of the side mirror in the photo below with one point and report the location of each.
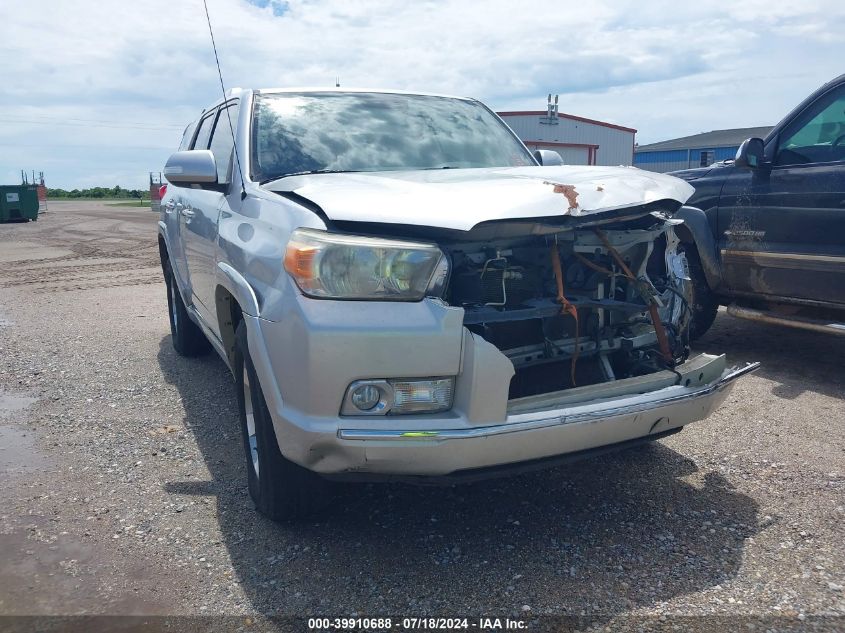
(547, 157)
(193, 167)
(750, 154)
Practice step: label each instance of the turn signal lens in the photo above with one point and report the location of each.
(299, 261)
(422, 396)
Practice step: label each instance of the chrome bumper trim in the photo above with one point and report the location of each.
(516, 427)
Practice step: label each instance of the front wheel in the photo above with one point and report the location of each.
(704, 304)
(280, 489)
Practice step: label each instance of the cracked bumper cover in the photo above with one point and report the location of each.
(305, 362)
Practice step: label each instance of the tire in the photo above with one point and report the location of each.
(704, 304)
(188, 339)
(280, 489)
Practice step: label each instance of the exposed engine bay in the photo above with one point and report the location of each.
(578, 306)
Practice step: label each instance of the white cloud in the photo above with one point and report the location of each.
(664, 68)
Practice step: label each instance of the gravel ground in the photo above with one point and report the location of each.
(124, 489)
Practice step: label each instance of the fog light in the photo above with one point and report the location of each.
(422, 396)
(366, 397)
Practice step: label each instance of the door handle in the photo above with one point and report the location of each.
(188, 212)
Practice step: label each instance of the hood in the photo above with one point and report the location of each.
(462, 198)
(691, 174)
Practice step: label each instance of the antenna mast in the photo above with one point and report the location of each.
(223, 90)
(551, 111)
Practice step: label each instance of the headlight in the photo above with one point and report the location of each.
(328, 265)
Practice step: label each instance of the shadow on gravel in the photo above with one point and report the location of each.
(798, 360)
(601, 536)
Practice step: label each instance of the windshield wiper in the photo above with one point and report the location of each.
(309, 172)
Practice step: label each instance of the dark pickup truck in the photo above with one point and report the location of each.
(765, 233)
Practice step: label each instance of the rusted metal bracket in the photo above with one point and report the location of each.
(662, 339)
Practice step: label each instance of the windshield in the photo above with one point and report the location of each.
(314, 132)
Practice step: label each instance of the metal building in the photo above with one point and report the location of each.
(698, 150)
(579, 141)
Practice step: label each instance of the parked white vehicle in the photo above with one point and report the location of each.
(402, 291)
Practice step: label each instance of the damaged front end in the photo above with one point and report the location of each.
(573, 273)
(577, 305)
(524, 337)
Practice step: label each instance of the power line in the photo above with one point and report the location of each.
(71, 118)
(112, 124)
(104, 146)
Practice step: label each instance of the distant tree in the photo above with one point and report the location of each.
(98, 192)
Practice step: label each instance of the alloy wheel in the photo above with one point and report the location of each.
(249, 411)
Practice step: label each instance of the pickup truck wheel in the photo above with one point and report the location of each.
(704, 304)
(188, 339)
(280, 489)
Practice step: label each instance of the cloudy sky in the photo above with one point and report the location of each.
(97, 92)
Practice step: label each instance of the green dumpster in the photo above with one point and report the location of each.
(18, 203)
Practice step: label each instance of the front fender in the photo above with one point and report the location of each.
(239, 288)
(696, 230)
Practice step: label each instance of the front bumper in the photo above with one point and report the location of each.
(543, 434)
(305, 362)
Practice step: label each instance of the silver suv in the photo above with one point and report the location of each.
(402, 290)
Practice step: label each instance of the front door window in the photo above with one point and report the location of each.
(818, 135)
